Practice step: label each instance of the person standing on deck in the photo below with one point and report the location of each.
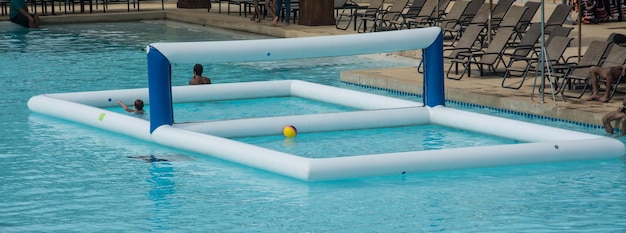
(279, 4)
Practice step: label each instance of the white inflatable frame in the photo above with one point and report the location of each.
(543, 143)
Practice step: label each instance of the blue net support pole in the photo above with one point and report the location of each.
(160, 89)
(434, 91)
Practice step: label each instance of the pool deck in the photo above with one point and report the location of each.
(481, 90)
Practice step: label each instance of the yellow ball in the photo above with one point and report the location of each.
(290, 131)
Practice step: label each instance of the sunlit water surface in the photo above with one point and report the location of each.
(58, 176)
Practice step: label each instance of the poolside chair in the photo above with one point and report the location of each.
(559, 31)
(500, 10)
(577, 73)
(340, 5)
(616, 56)
(452, 23)
(483, 15)
(243, 6)
(526, 45)
(348, 16)
(497, 12)
(491, 56)
(411, 11)
(442, 8)
(423, 18)
(470, 11)
(557, 18)
(383, 20)
(468, 15)
(468, 42)
(511, 20)
(372, 11)
(526, 18)
(554, 52)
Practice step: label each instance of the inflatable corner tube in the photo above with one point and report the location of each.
(92, 116)
(234, 151)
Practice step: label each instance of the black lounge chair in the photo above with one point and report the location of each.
(352, 13)
(557, 18)
(577, 73)
(468, 42)
(382, 20)
(491, 56)
(452, 24)
(411, 12)
(616, 57)
(554, 52)
(511, 20)
(526, 18)
(423, 18)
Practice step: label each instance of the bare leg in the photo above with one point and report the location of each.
(607, 93)
(271, 8)
(606, 121)
(593, 75)
(257, 12)
(611, 75)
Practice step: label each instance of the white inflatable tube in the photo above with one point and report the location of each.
(545, 144)
(462, 158)
(502, 127)
(293, 48)
(242, 153)
(90, 115)
(312, 122)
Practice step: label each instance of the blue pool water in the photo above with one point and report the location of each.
(58, 176)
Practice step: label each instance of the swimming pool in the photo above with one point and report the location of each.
(60, 176)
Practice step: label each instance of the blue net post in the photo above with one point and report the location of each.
(433, 74)
(159, 89)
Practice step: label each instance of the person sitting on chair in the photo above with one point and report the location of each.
(610, 74)
(138, 106)
(197, 77)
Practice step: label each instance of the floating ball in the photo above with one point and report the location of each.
(290, 131)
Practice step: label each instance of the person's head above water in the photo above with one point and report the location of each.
(198, 69)
(139, 105)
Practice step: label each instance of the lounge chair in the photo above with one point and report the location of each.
(526, 45)
(554, 52)
(382, 21)
(411, 12)
(511, 20)
(441, 9)
(616, 57)
(526, 18)
(577, 73)
(423, 18)
(468, 42)
(500, 10)
(452, 24)
(341, 5)
(491, 56)
(371, 11)
(352, 12)
(470, 11)
(557, 18)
